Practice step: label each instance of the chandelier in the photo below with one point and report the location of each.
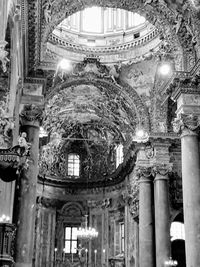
(86, 232)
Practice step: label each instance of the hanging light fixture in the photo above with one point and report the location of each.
(86, 232)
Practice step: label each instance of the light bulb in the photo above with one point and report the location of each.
(165, 69)
(65, 64)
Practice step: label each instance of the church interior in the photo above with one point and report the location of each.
(99, 133)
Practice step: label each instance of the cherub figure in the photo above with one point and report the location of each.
(23, 144)
(47, 10)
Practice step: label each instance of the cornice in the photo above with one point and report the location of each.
(164, 136)
(183, 82)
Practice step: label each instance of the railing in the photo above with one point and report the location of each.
(54, 39)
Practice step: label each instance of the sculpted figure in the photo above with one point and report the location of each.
(3, 57)
(47, 10)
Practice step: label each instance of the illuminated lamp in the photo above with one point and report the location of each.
(65, 64)
(165, 69)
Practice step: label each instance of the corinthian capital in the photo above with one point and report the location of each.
(189, 123)
(162, 169)
(32, 113)
(144, 171)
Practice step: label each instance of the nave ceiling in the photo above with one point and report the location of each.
(106, 102)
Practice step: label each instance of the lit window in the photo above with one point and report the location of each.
(177, 231)
(121, 229)
(73, 165)
(135, 19)
(92, 19)
(71, 239)
(119, 155)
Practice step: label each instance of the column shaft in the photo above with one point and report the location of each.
(27, 203)
(162, 223)
(146, 231)
(191, 198)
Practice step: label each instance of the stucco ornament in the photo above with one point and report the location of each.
(6, 127)
(3, 56)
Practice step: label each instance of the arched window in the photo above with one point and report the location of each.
(73, 167)
(177, 231)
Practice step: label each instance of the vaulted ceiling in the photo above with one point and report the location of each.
(100, 102)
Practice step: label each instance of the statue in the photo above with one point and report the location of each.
(23, 144)
(47, 10)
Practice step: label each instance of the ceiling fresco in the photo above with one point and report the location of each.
(94, 106)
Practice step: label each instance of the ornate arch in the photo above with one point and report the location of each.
(156, 12)
(129, 94)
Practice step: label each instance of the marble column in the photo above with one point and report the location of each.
(146, 222)
(187, 125)
(162, 215)
(31, 116)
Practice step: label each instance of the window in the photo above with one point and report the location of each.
(92, 19)
(121, 231)
(119, 155)
(71, 239)
(73, 165)
(177, 231)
